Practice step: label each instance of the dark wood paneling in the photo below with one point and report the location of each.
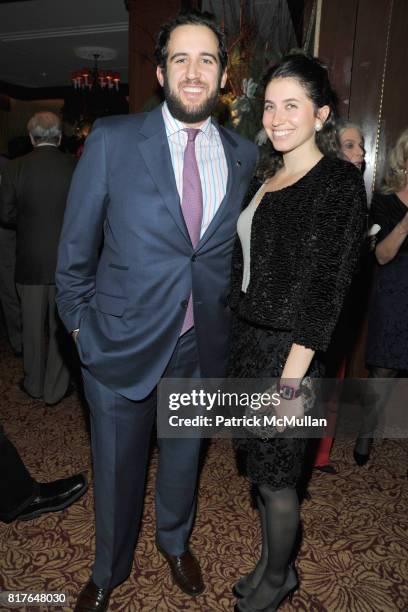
(296, 9)
(336, 44)
(307, 13)
(368, 66)
(394, 115)
(5, 103)
(144, 23)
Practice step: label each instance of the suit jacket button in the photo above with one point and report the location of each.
(193, 257)
(184, 304)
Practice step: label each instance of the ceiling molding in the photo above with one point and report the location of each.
(121, 26)
(20, 92)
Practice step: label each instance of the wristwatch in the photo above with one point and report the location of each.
(288, 392)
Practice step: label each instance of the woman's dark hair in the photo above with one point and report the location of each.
(313, 77)
(189, 18)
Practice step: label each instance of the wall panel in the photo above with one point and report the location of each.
(336, 46)
(394, 115)
(370, 61)
(364, 42)
(144, 22)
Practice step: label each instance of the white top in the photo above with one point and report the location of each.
(244, 232)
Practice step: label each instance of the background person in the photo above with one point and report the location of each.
(387, 341)
(33, 194)
(9, 301)
(353, 315)
(23, 498)
(351, 143)
(83, 130)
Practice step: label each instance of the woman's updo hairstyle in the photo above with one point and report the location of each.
(313, 76)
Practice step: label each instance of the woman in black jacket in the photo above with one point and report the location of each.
(299, 240)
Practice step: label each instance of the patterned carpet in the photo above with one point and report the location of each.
(353, 556)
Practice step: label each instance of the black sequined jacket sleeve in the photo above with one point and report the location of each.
(305, 246)
(335, 247)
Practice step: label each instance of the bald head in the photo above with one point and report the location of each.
(45, 128)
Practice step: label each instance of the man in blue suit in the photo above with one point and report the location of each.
(143, 282)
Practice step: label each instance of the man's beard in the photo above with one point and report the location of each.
(190, 114)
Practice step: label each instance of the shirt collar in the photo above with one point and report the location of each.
(173, 125)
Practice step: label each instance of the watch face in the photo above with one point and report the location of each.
(287, 392)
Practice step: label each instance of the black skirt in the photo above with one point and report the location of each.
(259, 352)
(387, 342)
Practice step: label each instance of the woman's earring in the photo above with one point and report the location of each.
(318, 126)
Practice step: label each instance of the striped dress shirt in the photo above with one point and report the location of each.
(211, 162)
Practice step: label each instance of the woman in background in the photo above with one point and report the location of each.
(387, 344)
(351, 143)
(352, 319)
(299, 242)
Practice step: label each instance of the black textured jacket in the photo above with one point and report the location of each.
(305, 246)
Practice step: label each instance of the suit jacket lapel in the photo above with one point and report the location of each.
(156, 155)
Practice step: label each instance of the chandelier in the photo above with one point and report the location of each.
(92, 78)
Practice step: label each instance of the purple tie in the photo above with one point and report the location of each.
(192, 207)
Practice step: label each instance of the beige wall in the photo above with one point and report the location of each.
(13, 123)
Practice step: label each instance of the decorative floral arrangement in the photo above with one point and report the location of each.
(241, 107)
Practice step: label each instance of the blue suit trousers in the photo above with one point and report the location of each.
(121, 437)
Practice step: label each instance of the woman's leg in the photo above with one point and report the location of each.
(251, 580)
(372, 409)
(281, 523)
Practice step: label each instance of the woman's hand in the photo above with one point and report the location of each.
(387, 249)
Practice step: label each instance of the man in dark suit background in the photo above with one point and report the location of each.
(162, 192)
(22, 498)
(33, 194)
(9, 301)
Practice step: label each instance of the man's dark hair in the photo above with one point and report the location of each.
(190, 18)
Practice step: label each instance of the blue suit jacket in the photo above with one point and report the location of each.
(126, 265)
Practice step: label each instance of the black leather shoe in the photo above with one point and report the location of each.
(362, 443)
(54, 496)
(360, 459)
(186, 572)
(92, 598)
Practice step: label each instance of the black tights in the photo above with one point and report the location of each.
(279, 513)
